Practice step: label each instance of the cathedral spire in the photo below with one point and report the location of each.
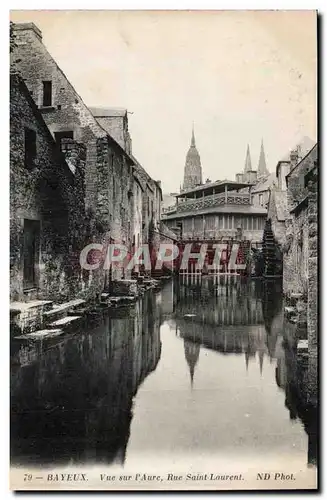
(193, 137)
(262, 167)
(193, 168)
(248, 164)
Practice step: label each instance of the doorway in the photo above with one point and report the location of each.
(31, 252)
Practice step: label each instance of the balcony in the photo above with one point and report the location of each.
(213, 200)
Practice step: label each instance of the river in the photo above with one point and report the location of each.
(196, 373)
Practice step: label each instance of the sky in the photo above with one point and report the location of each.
(240, 76)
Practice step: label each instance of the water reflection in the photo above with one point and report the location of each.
(217, 343)
(235, 317)
(72, 401)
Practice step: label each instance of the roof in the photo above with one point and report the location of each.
(107, 112)
(211, 185)
(300, 206)
(264, 183)
(229, 209)
(101, 132)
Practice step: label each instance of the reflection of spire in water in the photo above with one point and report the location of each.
(261, 361)
(247, 356)
(192, 352)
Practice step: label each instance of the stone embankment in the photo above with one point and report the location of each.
(42, 319)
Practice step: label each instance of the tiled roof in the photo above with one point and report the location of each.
(264, 183)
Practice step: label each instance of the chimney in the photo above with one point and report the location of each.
(294, 157)
(26, 30)
(239, 178)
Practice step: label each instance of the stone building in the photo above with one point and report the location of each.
(217, 210)
(47, 214)
(109, 168)
(115, 122)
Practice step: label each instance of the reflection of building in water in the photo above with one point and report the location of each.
(292, 377)
(272, 299)
(192, 352)
(224, 315)
(73, 403)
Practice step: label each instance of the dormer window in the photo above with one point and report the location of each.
(47, 93)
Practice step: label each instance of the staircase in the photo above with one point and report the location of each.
(42, 319)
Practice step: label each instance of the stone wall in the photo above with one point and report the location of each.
(296, 190)
(297, 238)
(295, 254)
(312, 318)
(50, 192)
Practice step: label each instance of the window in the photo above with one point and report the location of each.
(47, 93)
(65, 134)
(30, 148)
(261, 199)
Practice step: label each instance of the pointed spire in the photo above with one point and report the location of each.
(192, 168)
(262, 167)
(193, 137)
(248, 164)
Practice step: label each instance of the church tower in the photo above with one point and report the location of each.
(262, 167)
(192, 169)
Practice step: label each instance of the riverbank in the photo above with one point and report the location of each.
(39, 319)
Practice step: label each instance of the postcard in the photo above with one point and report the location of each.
(164, 171)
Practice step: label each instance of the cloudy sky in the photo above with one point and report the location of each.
(239, 75)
